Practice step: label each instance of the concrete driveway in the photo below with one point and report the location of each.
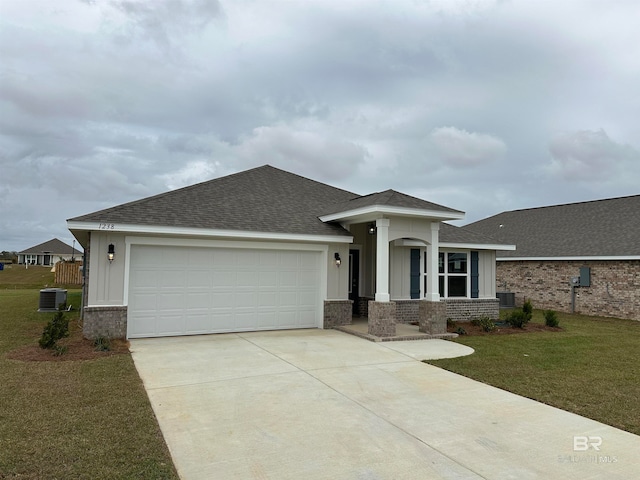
(321, 404)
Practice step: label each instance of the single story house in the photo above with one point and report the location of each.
(266, 249)
(48, 253)
(582, 256)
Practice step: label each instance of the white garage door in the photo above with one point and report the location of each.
(189, 290)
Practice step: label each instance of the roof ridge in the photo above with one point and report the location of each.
(568, 204)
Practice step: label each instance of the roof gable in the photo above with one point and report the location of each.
(52, 246)
(263, 199)
(389, 198)
(599, 228)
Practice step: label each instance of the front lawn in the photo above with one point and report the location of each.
(67, 418)
(591, 368)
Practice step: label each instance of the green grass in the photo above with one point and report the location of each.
(71, 419)
(17, 276)
(590, 368)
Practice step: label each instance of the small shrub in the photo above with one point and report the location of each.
(485, 322)
(551, 318)
(461, 331)
(57, 328)
(527, 308)
(518, 318)
(59, 350)
(102, 344)
(451, 323)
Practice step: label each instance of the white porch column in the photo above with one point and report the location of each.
(382, 260)
(432, 264)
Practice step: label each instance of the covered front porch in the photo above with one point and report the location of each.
(393, 257)
(406, 268)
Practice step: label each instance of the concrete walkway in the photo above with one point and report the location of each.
(322, 404)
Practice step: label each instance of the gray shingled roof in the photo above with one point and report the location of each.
(52, 246)
(263, 199)
(452, 234)
(389, 198)
(608, 227)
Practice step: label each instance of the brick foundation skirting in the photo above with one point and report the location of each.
(466, 309)
(458, 309)
(337, 312)
(107, 322)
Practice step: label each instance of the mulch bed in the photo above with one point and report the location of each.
(503, 329)
(78, 348)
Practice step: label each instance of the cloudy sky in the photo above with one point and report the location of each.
(482, 106)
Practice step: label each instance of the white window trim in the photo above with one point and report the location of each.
(446, 274)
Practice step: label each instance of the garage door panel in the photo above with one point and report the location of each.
(268, 279)
(172, 301)
(199, 279)
(198, 323)
(198, 300)
(145, 279)
(269, 258)
(182, 291)
(224, 278)
(288, 279)
(170, 324)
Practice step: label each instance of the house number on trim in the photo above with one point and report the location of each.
(106, 226)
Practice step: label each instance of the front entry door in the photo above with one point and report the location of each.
(354, 280)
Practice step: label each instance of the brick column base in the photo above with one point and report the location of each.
(337, 312)
(382, 319)
(107, 322)
(433, 317)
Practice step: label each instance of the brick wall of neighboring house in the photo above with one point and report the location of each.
(614, 290)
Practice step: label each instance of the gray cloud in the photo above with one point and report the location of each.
(590, 155)
(105, 102)
(460, 148)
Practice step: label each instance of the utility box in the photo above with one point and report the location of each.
(585, 276)
(507, 299)
(51, 299)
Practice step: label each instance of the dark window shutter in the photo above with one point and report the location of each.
(415, 273)
(475, 276)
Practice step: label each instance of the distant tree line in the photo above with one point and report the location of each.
(8, 257)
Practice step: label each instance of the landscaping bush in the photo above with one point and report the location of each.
(56, 329)
(461, 331)
(518, 318)
(551, 318)
(485, 322)
(527, 308)
(102, 344)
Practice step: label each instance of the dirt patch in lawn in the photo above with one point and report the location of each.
(77, 348)
(501, 329)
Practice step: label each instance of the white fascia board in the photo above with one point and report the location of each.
(204, 232)
(373, 210)
(567, 259)
(477, 246)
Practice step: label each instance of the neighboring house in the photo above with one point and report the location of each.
(266, 249)
(595, 244)
(48, 253)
